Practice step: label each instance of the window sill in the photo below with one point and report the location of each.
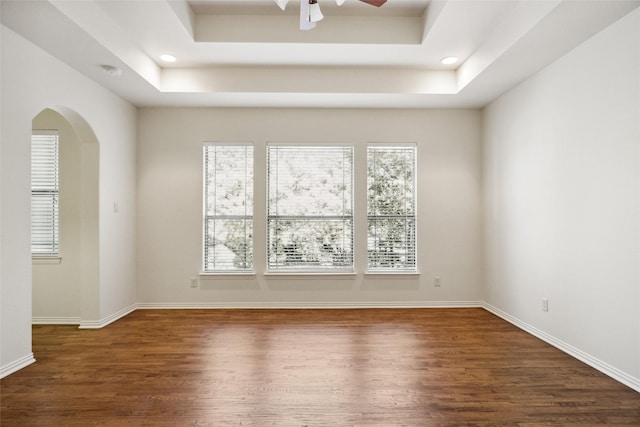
(385, 274)
(309, 274)
(227, 275)
(297, 274)
(46, 260)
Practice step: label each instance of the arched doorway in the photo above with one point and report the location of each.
(65, 289)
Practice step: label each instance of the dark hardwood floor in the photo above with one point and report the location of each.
(414, 367)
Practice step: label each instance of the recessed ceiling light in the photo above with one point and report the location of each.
(168, 58)
(449, 60)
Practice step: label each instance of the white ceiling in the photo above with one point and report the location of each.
(250, 53)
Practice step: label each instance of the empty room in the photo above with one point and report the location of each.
(320, 212)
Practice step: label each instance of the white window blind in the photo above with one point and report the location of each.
(391, 207)
(228, 205)
(45, 221)
(310, 208)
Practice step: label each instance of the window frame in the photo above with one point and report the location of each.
(406, 270)
(52, 256)
(249, 167)
(304, 270)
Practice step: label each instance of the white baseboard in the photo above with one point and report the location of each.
(311, 305)
(594, 362)
(97, 324)
(15, 366)
(55, 321)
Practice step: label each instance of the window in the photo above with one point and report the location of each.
(391, 207)
(45, 235)
(228, 206)
(310, 208)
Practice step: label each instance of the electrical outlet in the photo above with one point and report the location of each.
(194, 282)
(545, 304)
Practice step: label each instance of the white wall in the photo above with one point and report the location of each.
(31, 81)
(56, 290)
(562, 188)
(170, 205)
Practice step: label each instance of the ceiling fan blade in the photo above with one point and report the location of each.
(376, 3)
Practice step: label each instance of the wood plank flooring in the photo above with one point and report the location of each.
(414, 367)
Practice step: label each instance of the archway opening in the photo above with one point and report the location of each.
(65, 285)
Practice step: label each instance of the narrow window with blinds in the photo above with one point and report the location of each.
(310, 208)
(45, 194)
(391, 208)
(228, 206)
